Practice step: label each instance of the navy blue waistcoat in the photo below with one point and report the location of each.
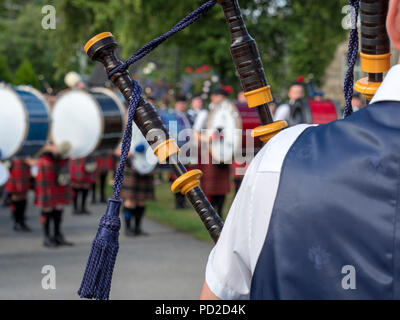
(335, 221)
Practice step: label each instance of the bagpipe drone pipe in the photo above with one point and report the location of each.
(375, 49)
(98, 274)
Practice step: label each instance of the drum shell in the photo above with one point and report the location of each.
(112, 123)
(37, 122)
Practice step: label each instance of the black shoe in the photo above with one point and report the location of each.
(60, 240)
(76, 212)
(140, 232)
(85, 211)
(49, 242)
(129, 233)
(25, 228)
(17, 227)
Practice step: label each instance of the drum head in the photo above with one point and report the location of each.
(224, 126)
(143, 162)
(13, 123)
(77, 119)
(4, 175)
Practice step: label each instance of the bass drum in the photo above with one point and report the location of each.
(314, 112)
(143, 160)
(24, 122)
(229, 128)
(4, 175)
(91, 121)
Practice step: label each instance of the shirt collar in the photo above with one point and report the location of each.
(390, 88)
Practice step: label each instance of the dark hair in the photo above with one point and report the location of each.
(180, 97)
(296, 83)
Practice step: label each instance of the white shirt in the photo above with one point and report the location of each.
(282, 113)
(232, 262)
(200, 120)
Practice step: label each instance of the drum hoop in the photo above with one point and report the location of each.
(119, 103)
(66, 91)
(40, 96)
(6, 171)
(13, 92)
(238, 121)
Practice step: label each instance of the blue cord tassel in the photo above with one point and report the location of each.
(96, 282)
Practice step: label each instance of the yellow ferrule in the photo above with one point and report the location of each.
(375, 63)
(258, 97)
(165, 149)
(96, 38)
(266, 132)
(187, 181)
(366, 88)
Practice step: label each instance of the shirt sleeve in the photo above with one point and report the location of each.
(282, 113)
(228, 272)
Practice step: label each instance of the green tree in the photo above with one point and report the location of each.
(294, 36)
(5, 73)
(26, 75)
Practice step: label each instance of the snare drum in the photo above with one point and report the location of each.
(4, 175)
(91, 121)
(24, 122)
(229, 127)
(143, 160)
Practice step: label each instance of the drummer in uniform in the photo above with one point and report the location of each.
(83, 175)
(136, 190)
(53, 191)
(216, 180)
(17, 189)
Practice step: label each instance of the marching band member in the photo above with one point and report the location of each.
(136, 190)
(82, 174)
(283, 112)
(196, 109)
(17, 188)
(317, 214)
(53, 191)
(216, 182)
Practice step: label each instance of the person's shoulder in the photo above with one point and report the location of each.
(272, 155)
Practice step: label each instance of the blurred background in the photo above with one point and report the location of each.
(295, 38)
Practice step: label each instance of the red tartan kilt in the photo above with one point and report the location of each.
(78, 174)
(20, 178)
(216, 179)
(105, 163)
(52, 196)
(48, 192)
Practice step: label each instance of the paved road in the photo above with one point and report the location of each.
(165, 265)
